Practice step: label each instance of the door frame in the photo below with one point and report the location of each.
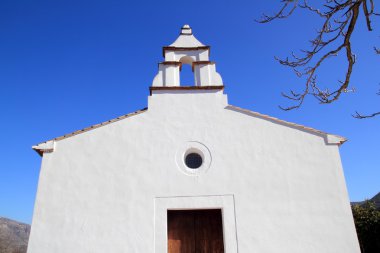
(224, 202)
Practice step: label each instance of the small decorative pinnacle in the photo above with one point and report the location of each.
(186, 30)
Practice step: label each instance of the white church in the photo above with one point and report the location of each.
(192, 174)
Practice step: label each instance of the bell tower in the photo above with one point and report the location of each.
(186, 49)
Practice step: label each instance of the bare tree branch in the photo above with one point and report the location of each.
(360, 116)
(367, 18)
(281, 13)
(340, 19)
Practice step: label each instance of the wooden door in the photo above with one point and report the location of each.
(195, 231)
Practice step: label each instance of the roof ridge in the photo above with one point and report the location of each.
(310, 129)
(40, 148)
(104, 123)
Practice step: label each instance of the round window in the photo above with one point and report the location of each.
(193, 160)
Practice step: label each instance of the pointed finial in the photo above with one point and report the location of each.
(186, 30)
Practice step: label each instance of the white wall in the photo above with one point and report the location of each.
(97, 190)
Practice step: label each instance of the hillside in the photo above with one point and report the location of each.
(375, 199)
(13, 236)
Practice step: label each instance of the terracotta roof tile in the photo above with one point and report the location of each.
(42, 150)
(267, 117)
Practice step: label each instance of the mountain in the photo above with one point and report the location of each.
(13, 236)
(375, 199)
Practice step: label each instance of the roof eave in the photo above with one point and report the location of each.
(44, 147)
(330, 139)
(49, 146)
(171, 48)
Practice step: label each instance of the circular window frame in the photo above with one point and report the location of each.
(193, 147)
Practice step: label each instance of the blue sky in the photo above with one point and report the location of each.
(66, 65)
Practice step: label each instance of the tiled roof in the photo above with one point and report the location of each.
(42, 150)
(45, 147)
(283, 122)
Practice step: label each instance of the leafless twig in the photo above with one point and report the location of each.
(361, 116)
(334, 36)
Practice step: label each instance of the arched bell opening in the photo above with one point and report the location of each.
(186, 63)
(186, 60)
(186, 75)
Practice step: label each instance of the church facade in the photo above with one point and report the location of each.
(191, 173)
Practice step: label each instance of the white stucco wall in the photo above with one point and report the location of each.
(98, 190)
